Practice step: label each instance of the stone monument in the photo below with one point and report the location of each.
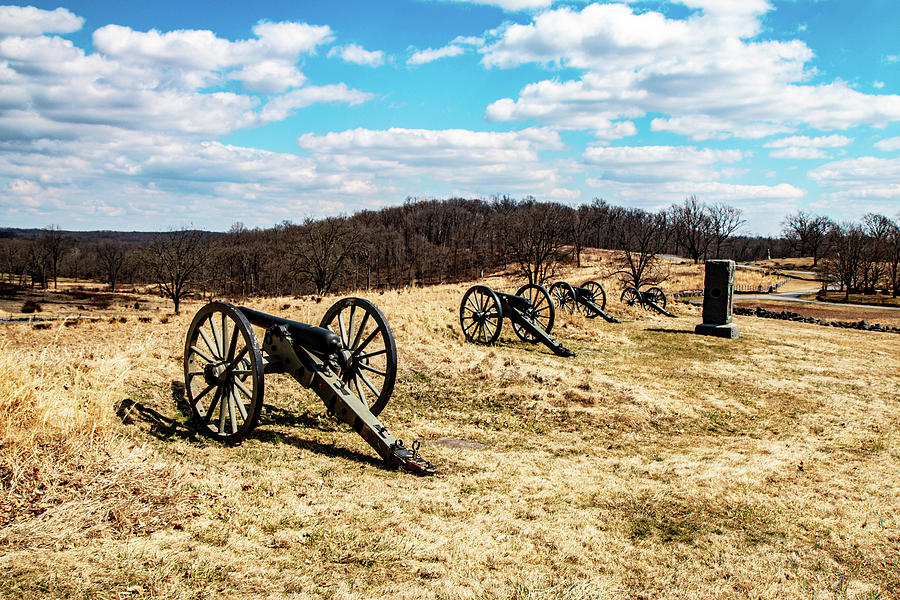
(718, 299)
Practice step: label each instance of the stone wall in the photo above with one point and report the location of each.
(792, 316)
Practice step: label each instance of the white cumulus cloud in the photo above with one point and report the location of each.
(805, 147)
(428, 55)
(657, 163)
(511, 5)
(31, 21)
(888, 144)
(477, 162)
(703, 74)
(354, 53)
(285, 105)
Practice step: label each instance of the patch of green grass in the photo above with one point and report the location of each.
(664, 528)
(565, 590)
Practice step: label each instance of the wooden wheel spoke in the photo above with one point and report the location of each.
(342, 332)
(203, 355)
(206, 340)
(205, 391)
(240, 405)
(373, 370)
(367, 340)
(369, 384)
(240, 385)
(216, 336)
(472, 323)
(371, 354)
(359, 392)
(222, 406)
(224, 334)
(232, 346)
(232, 411)
(488, 326)
(350, 328)
(359, 332)
(237, 359)
(213, 404)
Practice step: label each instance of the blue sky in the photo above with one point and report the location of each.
(152, 115)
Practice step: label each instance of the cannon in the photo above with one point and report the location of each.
(530, 310)
(589, 298)
(654, 298)
(349, 361)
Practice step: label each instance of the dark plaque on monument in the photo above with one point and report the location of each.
(718, 298)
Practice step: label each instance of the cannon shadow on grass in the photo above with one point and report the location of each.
(274, 416)
(165, 428)
(154, 422)
(665, 330)
(519, 345)
(329, 450)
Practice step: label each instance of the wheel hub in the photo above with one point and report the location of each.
(215, 373)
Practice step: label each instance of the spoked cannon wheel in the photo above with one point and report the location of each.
(541, 310)
(657, 296)
(564, 296)
(367, 361)
(223, 373)
(597, 296)
(631, 296)
(480, 315)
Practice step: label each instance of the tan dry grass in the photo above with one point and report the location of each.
(655, 464)
(65, 472)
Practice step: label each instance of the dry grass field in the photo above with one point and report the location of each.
(655, 464)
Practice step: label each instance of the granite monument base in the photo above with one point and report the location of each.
(730, 331)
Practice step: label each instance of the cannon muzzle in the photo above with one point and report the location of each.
(316, 339)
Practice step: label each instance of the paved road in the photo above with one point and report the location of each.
(795, 297)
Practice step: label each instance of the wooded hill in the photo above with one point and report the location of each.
(433, 241)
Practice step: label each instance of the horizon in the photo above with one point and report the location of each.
(116, 116)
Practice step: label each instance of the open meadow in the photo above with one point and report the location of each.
(654, 464)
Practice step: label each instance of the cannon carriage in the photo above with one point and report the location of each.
(530, 311)
(652, 298)
(349, 361)
(589, 299)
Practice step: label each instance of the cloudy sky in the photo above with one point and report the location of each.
(152, 115)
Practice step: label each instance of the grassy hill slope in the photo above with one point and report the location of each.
(655, 464)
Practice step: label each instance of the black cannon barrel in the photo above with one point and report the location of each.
(517, 302)
(316, 339)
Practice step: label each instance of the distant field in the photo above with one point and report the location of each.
(655, 464)
(825, 311)
(873, 299)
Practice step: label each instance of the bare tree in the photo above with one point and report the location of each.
(53, 245)
(874, 265)
(846, 245)
(693, 228)
(582, 221)
(535, 234)
(322, 249)
(806, 233)
(893, 257)
(724, 222)
(14, 259)
(111, 257)
(642, 237)
(175, 260)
